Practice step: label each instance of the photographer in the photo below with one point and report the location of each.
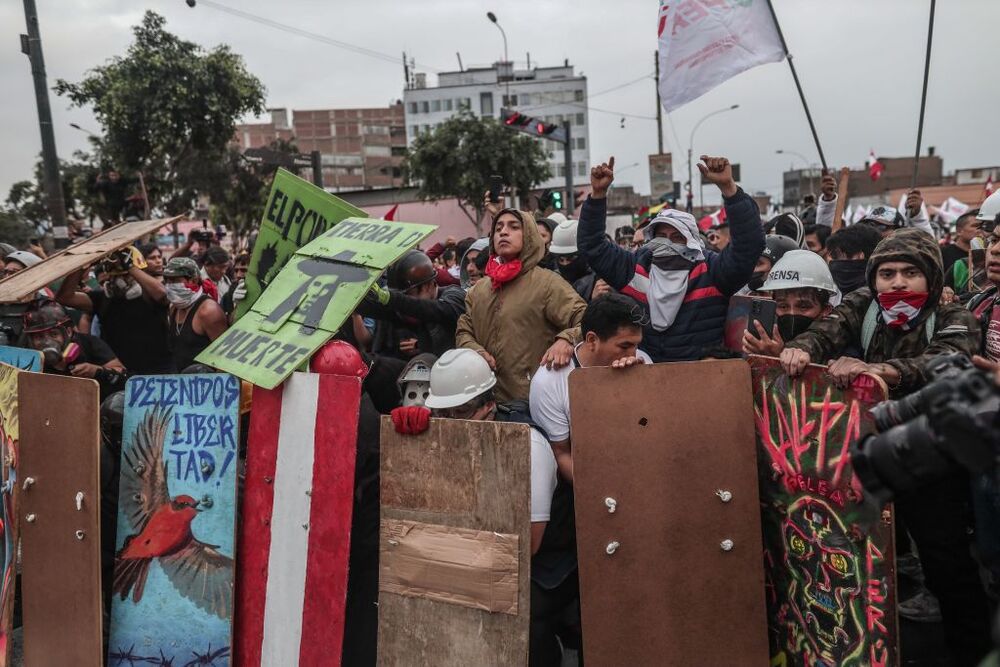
(901, 328)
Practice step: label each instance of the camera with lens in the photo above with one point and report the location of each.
(946, 426)
(203, 236)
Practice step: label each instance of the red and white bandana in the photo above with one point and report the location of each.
(900, 309)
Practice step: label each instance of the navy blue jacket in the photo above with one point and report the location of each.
(702, 317)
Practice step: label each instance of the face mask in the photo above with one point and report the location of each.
(415, 393)
(180, 295)
(901, 309)
(849, 274)
(574, 270)
(134, 291)
(757, 280)
(790, 326)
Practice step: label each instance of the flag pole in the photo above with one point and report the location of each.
(798, 86)
(923, 96)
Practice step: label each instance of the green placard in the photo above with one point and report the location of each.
(310, 298)
(296, 213)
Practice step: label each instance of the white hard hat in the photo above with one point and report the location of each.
(990, 210)
(457, 378)
(557, 217)
(799, 269)
(564, 238)
(23, 257)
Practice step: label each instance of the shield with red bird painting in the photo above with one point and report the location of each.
(173, 577)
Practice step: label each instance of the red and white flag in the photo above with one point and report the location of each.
(296, 521)
(702, 44)
(988, 188)
(391, 213)
(875, 168)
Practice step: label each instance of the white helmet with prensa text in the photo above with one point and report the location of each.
(800, 269)
(564, 238)
(989, 212)
(457, 378)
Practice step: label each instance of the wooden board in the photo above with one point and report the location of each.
(829, 557)
(295, 534)
(21, 358)
(22, 285)
(668, 443)
(173, 587)
(60, 511)
(9, 436)
(465, 475)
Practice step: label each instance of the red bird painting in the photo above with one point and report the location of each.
(162, 528)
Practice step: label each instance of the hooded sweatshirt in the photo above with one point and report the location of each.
(955, 329)
(517, 322)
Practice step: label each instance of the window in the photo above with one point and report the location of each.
(560, 170)
(447, 104)
(581, 143)
(413, 107)
(577, 95)
(510, 100)
(425, 107)
(579, 119)
(464, 103)
(581, 168)
(485, 104)
(426, 129)
(399, 150)
(436, 105)
(414, 130)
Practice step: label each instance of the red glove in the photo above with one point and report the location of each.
(411, 420)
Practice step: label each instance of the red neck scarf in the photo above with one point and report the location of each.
(900, 309)
(502, 272)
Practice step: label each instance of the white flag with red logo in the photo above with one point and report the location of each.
(988, 188)
(875, 168)
(705, 42)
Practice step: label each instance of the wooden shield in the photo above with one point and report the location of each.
(59, 505)
(9, 436)
(828, 554)
(667, 515)
(454, 554)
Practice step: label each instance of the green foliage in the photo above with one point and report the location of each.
(14, 229)
(167, 108)
(457, 159)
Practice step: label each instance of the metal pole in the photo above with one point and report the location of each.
(568, 158)
(32, 46)
(798, 86)
(659, 106)
(701, 201)
(317, 168)
(690, 193)
(923, 96)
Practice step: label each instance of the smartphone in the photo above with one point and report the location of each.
(764, 311)
(496, 188)
(978, 263)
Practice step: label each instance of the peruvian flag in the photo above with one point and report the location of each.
(391, 213)
(875, 168)
(295, 531)
(988, 188)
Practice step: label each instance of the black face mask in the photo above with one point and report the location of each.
(849, 274)
(790, 326)
(574, 270)
(757, 280)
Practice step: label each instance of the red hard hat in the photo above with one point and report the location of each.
(338, 357)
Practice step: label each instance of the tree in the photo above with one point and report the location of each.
(166, 106)
(457, 159)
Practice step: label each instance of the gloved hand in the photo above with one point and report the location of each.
(240, 291)
(411, 419)
(123, 258)
(380, 294)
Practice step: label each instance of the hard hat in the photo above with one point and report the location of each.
(799, 269)
(338, 358)
(413, 269)
(564, 238)
(557, 218)
(23, 257)
(884, 216)
(989, 212)
(6, 249)
(43, 316)
(113, 266)
(776, 245)
(415, 380)
(457, 378)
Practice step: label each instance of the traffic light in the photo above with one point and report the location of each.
(557, 198)
(536, 127)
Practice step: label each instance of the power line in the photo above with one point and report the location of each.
(309, 35)
(591, 96)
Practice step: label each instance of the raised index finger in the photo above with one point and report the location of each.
(611, 162)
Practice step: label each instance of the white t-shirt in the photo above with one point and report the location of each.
(548, 399)
(543, 477)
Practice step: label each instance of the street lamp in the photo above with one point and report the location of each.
(83, 129)
(701, 200)
(493, 19)
(808, 170)
(782, 151)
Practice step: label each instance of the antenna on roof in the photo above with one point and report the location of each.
(459, 56)
(406, 71)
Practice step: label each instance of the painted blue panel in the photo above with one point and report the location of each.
(176, 521)
(21, 358)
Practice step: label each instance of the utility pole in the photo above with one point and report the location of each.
(659, 107)
(31, 45)
(316, 160)
(568, 157)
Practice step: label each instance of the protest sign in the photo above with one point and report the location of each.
(173, 579)
(21, 358)
(828, 552)
(310, 299)
(23, 285)
(296, 213)
(9, 435)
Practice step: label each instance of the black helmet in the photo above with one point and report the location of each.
(788, 225)
(44, 315)
(198, 369)
(776, 245)
(411, 270)
(113, 412)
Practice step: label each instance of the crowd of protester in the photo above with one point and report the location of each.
(490, 328)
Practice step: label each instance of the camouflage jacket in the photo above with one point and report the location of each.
(955, 330)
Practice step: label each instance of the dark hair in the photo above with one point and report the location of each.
(215, 255)
(964, 219)
(821, 295)
(449, 255)
(147, 248)
(610, 312)
(822, 233)
(463, 246)
(854, 239)
(242, 258)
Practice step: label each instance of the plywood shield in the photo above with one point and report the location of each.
(454, 570)
(60, 510)
(9, 436)
(667, 515)
(176, 533)
(828, 555)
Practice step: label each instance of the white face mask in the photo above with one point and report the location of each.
(415, 393)
(181, 296)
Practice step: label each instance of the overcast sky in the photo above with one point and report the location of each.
(860, 63)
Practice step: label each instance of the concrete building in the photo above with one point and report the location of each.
(897, 174)
(977, 176)
(797, 183)
(553, 94)
(360, 148)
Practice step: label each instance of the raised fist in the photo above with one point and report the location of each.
(719, 171)
(601, 178)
